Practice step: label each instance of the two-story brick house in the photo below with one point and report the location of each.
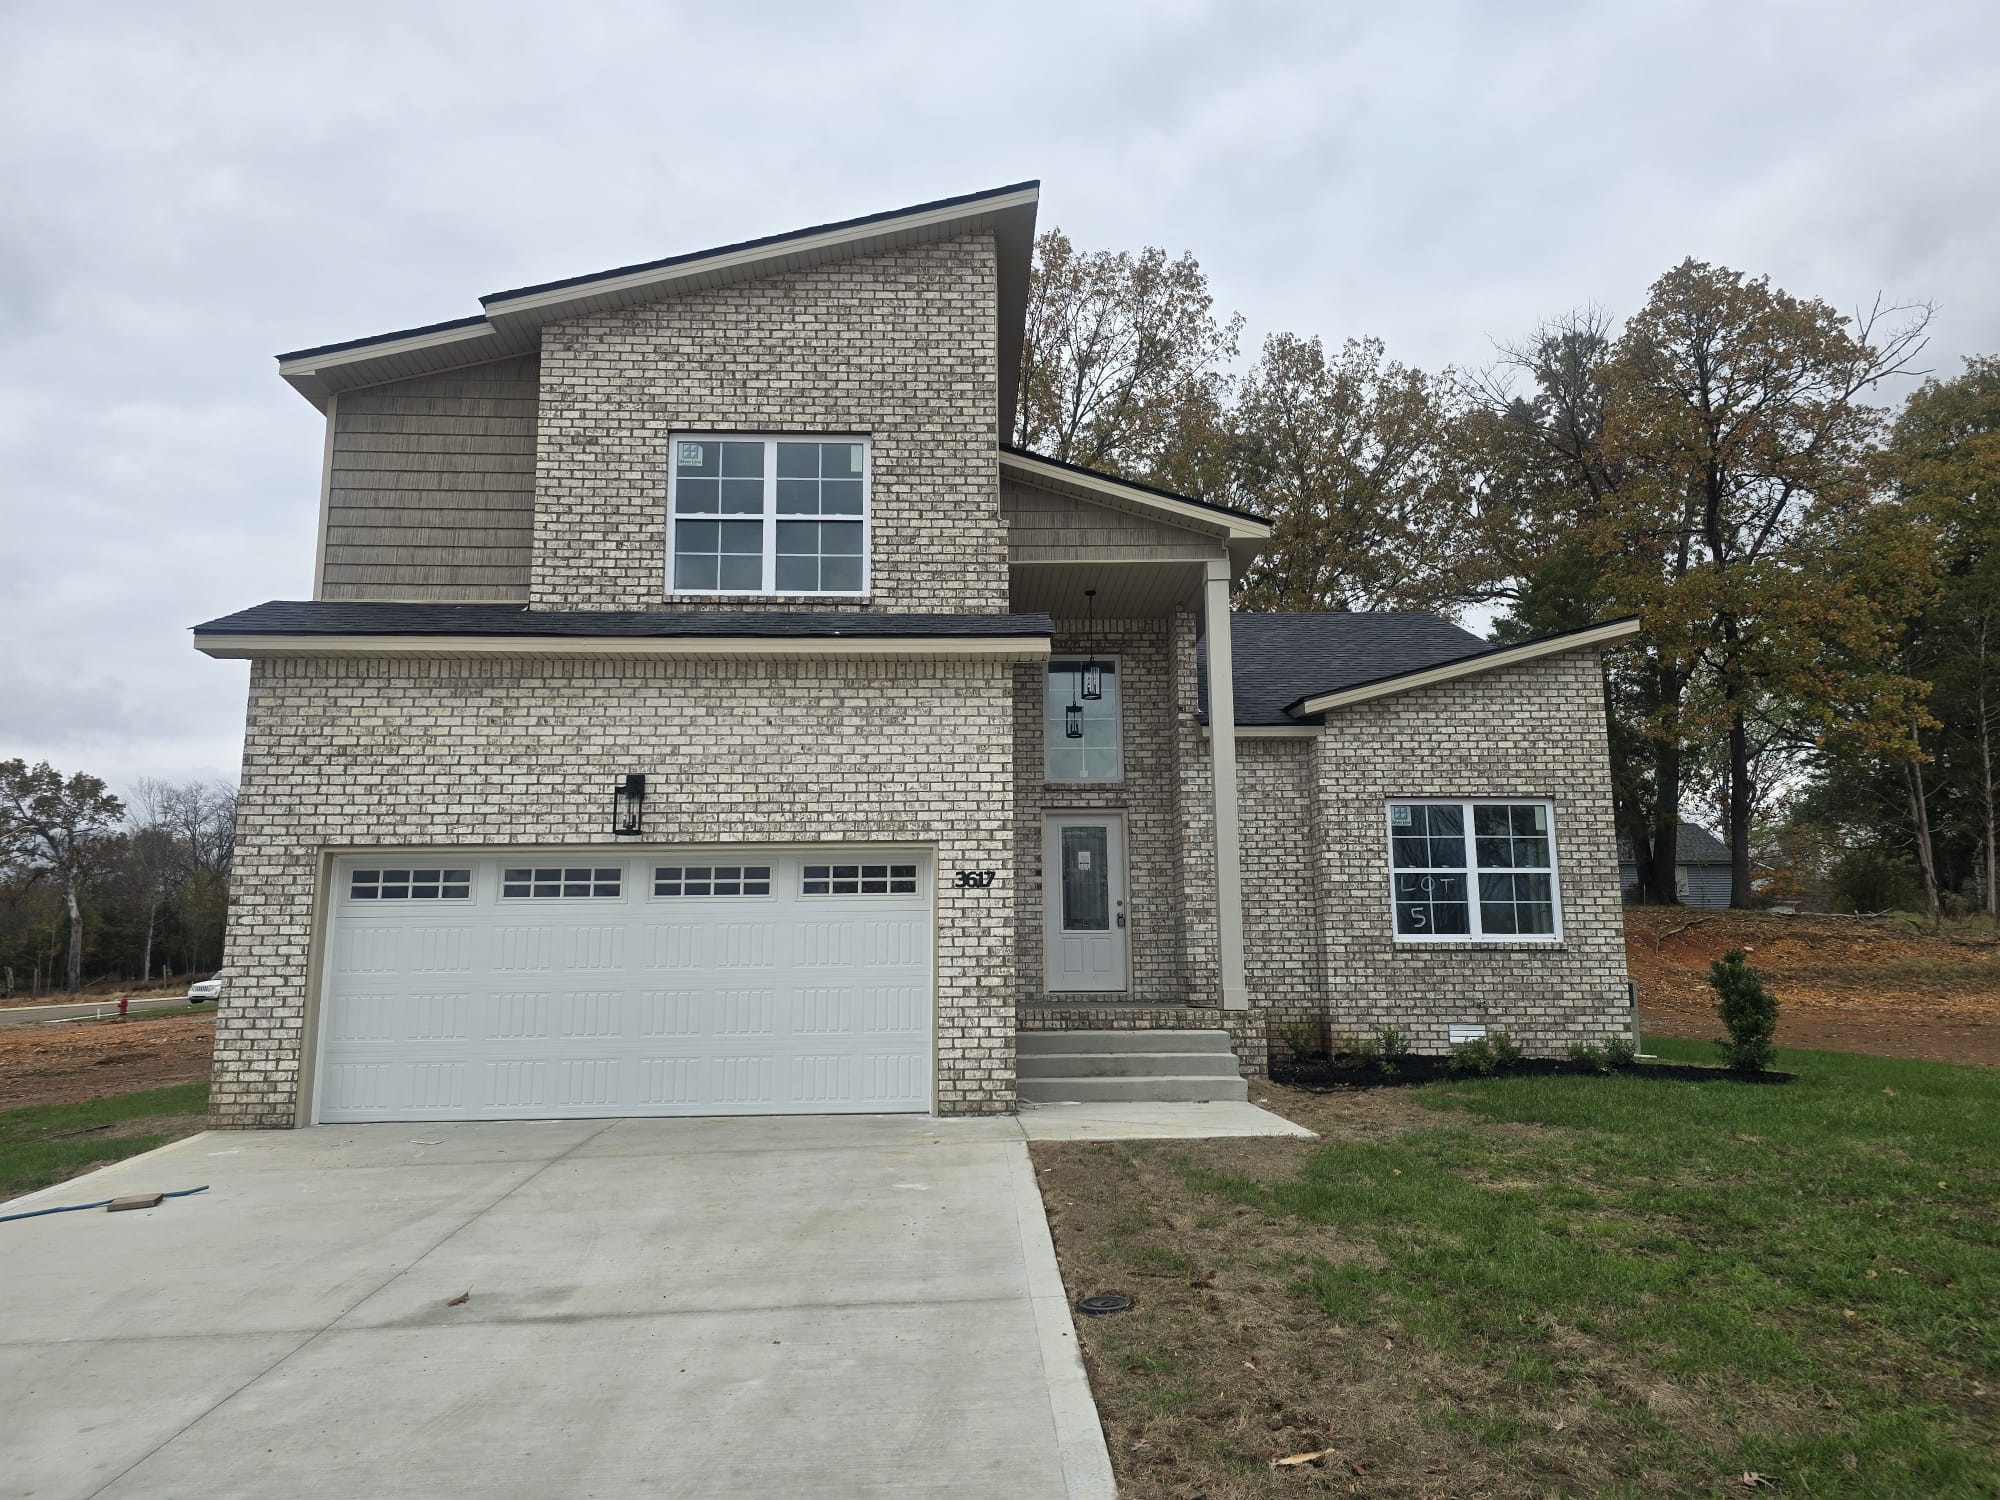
(700, 710)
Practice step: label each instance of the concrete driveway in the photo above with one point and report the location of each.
(863, 1306)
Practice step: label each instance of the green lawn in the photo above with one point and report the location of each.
(51, 1142)
(1572, 1285)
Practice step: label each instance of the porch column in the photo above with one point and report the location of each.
(1222, 766)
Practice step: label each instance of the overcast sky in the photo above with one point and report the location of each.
(186, 189)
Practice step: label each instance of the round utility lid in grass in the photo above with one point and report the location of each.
(1104, 1302)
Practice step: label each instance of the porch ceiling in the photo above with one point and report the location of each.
(1135, 590)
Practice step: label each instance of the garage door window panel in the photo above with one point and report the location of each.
(561, 882)
(675, 881)
(859, 880)
(407, 884)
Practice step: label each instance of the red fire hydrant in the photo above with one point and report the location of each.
(124, 1004)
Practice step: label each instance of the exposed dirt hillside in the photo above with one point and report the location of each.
(1850, 984)
(94, 1059)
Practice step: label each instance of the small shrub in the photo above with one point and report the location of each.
(1619, 1053)
(1505, 1053)
(1301, 1040)
(1748, 1010)
(1590, 1059)
(1385, 1052)
(1472, 1057)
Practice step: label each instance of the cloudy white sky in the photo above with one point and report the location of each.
(186, 189)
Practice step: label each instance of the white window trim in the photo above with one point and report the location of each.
(1472, 873)
(769, 515)
(1108, 659)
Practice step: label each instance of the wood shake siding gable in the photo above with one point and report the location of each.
(431, 487)
(1043, 526)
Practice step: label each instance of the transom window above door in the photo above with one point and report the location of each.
(758, 515)
(1093, 752)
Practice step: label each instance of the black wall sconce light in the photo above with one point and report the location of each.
(628, 806)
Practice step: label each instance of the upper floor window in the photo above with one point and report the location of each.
(752, 515)
(1092, 752)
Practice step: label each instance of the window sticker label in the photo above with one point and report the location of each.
(1399, 816)
(691, 453)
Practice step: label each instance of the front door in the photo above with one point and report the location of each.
(1083, 865)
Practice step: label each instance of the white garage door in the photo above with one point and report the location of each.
(464, 987)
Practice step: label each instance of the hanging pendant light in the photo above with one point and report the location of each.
(1090, 685)
(1073, 715)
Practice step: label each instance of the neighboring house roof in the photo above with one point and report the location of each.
(511, 321)
(354, 625)
(1279, 658)
(1693, 845)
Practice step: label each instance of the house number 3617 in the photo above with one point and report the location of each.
(975, 880)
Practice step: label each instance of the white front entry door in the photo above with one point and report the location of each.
(464, 985)
(1083, 880)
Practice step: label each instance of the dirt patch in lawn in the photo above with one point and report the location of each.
(1843, 984)
(79, 1060)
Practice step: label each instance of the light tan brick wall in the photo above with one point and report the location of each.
(898, 346)
(1283, 929)
(1145, 795)
(359, 752)
(1535, 730)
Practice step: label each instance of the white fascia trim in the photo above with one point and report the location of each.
(249, 647)
(311, 363)
(1177, 510)
(1576, 640)
(784, 250)
(1274, 731)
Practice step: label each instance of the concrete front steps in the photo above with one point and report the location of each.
(1126, 1067)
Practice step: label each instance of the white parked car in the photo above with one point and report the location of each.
(207, 989)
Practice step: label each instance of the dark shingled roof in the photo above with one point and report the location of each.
(964, 199)
(338, 617)
(1694, 845)
(1133, 484)
(1280, 659)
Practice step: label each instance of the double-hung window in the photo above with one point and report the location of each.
(756, 515)
(1473, 871)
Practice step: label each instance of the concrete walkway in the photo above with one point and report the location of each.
(824, 1306)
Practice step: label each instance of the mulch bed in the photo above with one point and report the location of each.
(1322, 1076)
